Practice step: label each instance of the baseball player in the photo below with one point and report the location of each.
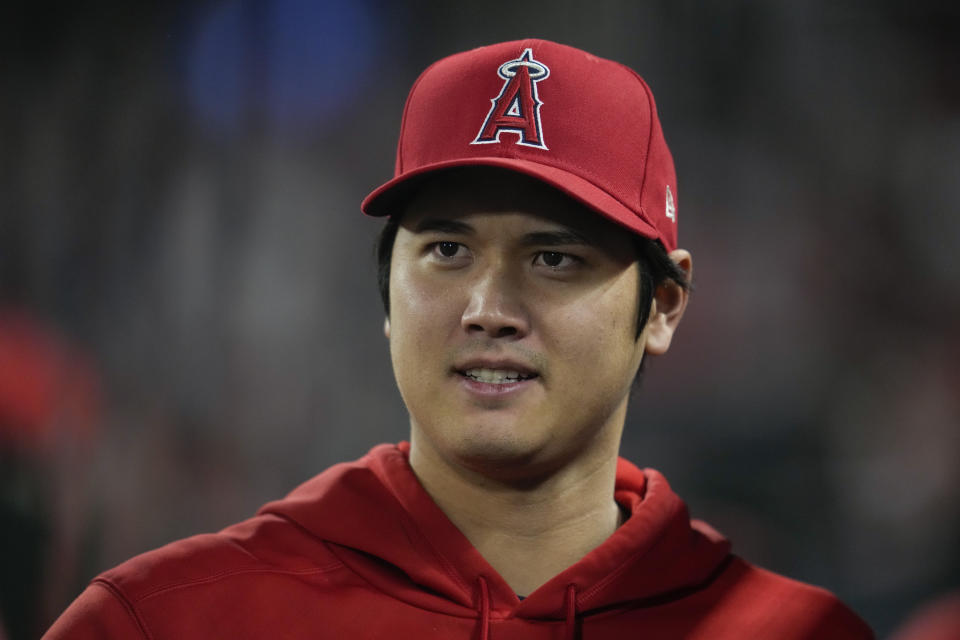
(528, 264)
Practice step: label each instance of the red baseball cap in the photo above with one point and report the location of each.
(585, 125)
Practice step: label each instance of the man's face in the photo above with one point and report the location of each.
(512, 324)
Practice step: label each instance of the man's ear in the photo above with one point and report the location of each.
(669, 303)
(386, 327)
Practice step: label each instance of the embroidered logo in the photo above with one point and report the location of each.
(671, 207)
(517, 108)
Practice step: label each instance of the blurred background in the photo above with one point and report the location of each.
(189, 323)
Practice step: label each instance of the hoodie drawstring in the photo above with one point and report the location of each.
(484, 609)
(570, 607)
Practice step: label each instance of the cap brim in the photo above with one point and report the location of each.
(391, 196)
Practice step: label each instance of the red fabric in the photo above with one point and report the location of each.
(45, 385)
(361, 551)
(936, 620)
(601, 138)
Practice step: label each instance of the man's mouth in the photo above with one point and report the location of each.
(496, 376)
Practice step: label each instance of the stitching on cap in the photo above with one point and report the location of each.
(653, 115)
(406, 109)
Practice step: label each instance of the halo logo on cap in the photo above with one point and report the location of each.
(517, 108)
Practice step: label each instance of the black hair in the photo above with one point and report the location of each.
(656, 268)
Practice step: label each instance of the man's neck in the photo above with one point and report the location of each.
(528, 532)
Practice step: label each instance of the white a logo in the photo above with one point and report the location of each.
(517, 108)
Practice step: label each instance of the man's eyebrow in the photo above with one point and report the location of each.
(443, 225)
(555, 238)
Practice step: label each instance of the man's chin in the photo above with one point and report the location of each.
(503, 457)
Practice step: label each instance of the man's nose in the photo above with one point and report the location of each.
(495, 307)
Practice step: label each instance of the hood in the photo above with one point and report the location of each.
(378, 519)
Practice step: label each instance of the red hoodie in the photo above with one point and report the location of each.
(361, 551)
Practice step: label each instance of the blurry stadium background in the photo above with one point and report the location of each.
(189, 323)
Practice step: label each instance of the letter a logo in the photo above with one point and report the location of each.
(517, 108)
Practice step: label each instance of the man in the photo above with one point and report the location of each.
(529, 264)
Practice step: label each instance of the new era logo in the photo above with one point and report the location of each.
(671, 210)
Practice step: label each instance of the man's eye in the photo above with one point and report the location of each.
(555, 259)
(447, 249)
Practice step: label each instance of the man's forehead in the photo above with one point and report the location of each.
(538, 231)
(447, 202)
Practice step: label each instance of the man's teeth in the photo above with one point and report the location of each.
(495, 376)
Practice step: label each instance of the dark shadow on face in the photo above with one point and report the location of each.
(461, 191)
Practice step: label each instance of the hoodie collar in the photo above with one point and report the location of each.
(375, 515)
